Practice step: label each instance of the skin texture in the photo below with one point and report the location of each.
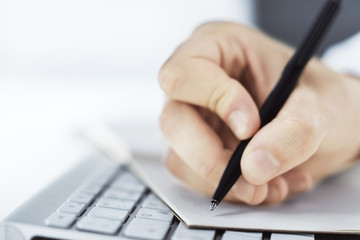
(217, 81)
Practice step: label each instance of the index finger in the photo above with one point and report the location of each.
(200, 74)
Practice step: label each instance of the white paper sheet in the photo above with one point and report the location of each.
(334, 206)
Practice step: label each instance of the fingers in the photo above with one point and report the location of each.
(241, 192)
(298, 180)
(292, 182)
(278, 190)
(286, 142)
(187, 175)
(194, 75)
(194, 141)
(204, 72)
(198, 145)
(202, 151)
(248, 193)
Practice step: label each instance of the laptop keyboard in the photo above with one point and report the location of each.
(117, 203)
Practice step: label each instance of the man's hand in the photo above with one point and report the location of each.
(216, 83)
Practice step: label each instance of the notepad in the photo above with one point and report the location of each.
(332, 207)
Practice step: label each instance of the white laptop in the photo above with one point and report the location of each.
(105, 199)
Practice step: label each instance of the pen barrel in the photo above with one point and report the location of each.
(280, 93)
(297, 63)
(230, 176)
(313, 38)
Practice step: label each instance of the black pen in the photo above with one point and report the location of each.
(279, 94)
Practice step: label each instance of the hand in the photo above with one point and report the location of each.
(216, 83)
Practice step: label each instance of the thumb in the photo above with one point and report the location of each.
(286, 142)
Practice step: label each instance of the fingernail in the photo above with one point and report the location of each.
(261, 165)
(238, 122)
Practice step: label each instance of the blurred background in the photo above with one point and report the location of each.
(65, 64)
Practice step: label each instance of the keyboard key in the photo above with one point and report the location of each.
(79, 197)
(90, 188)
(132, 186)
(61, 220)
(127, 178)
(283, 236)
(99, 225)
(108, 213)
(232, 235)
(146, 229)
(116, 204)
(153, 202)
(102, 177)
(71, 207)
(123, 194)
(184, 233)
(155, 214)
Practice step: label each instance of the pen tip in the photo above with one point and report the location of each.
(213, 204)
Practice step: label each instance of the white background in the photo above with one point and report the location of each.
(65, 63)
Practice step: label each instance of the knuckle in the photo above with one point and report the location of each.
(211, 169)
(221, 97)
(169, 78)
(206, 169)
